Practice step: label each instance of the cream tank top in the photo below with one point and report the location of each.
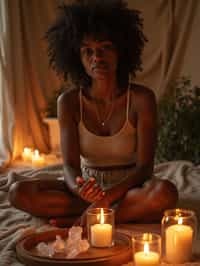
(104, 151)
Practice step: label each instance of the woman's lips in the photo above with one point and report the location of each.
(100, 67)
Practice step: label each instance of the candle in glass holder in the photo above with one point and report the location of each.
(178, 231)
(146, 257)
(37, 159)
(179, 242)
(100, 231)
(146, 249)
(27, 154)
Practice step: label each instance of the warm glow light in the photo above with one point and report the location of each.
(27, 154)
(101, 232)
(180, 220)
(146, 248)
(179, 239)
(37, 159)
(102, 220)
(27, 150)
(36, 154)
(146, 257)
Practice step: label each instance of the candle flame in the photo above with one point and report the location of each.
(101, 216)
(36, 153)
(27, 150)
(180, 220)
(27, 154)
(146, 248)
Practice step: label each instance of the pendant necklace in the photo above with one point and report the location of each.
(105, 119)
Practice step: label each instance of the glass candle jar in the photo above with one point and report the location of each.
(100, 227)
(146, 249)
(179, 228)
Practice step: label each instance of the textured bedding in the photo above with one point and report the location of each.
(15, 224)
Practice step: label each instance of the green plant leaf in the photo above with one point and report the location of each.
(179, 127)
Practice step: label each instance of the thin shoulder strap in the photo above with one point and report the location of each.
(81, 104)
(128, 103)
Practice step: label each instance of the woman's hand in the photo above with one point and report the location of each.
(89, 190)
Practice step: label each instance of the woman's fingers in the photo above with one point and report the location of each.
(97, 193)
(87, 188)
(80, 180)
(91, 191)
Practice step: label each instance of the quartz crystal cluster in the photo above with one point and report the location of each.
(70, 247)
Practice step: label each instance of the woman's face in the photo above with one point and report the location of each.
(99, 58)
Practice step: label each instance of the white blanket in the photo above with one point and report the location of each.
(15, 224)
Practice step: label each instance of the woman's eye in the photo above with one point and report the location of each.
(108, 47)
(87, 51)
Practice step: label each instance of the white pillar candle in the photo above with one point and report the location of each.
(179, 243)
(37, 159)
(27, 154)
(101, 234)
(146, 257)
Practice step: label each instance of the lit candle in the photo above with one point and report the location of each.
(179, 242)
(146, 257)
(37, 159)
(101, 234)
(27, 154)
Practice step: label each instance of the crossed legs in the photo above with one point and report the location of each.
(52, 198)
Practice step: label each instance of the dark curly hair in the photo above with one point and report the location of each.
(108, 18)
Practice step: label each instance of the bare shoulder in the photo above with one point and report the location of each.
(68, 102)
(69, 97)
(142, 96)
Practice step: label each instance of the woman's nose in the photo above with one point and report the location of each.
(98, 53)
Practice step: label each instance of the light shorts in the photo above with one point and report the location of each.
(107, 178)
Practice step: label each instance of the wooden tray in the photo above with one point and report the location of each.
(27, 253)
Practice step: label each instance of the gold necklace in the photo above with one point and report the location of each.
(105, 119)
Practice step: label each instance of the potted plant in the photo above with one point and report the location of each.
(179, 127)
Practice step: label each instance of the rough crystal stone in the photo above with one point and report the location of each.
(59, 245)
(45, 249)
(73, 245)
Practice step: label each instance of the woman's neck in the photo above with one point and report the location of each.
(104, 91)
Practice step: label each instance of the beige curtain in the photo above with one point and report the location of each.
(26, 80)
(171, 26)
(30, 79)
(6, 97)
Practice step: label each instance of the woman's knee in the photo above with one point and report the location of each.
(166, 193)
(20, 195)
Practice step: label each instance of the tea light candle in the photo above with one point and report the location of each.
(146, 257)
(101, 234)
(179, 242)
(37, 159)
(27, 154)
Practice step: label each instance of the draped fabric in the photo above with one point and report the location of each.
(6, 93)
(173, 34)
(26, 81)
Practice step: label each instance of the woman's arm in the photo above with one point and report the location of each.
(68, 117)
(146, 111)
(69, 139)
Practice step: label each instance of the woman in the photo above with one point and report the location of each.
(108, 126)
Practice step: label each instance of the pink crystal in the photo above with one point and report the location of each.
(59, 245)
(73, 245)
(45, 249)
(75, 232)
